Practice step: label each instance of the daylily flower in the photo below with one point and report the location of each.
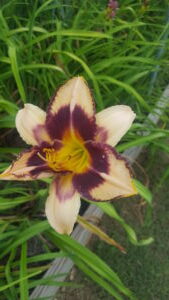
(75, 146)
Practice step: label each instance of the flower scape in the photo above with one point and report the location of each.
(76, 147)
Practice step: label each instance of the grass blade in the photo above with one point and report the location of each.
(15, 70)
(23, 273)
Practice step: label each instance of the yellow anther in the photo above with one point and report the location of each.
(73, 156)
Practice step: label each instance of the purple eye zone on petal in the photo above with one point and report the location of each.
(85, 182)
(83, 124)
(57, 123)
(37, 133)
(35, 160)
(62, 193)
(40, 165)
(98, 154)
(34, 173)
(101, 134)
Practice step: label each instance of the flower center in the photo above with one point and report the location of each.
(73, 156)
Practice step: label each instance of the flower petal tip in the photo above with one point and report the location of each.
(62, 205)
(133, 190)
(64, 231)
(6, 175)
(3, 176)
(130, 112)
(28, 120)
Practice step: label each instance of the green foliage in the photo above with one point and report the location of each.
(43, 43)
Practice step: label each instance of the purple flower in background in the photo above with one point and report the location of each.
(112, 8)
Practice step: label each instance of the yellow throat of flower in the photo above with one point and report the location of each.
(73, 156)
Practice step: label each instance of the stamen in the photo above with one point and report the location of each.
(72, 156)
(43, 158)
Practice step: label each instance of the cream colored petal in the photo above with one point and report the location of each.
(30, 124)
(62, 205)
(108, 175)
(28, 166)
(113, 122)
(117, 182)
(74, 92)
